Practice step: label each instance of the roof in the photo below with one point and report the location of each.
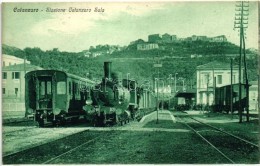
(20, 67)
(40, 72)
(191, 93)
(216, 65)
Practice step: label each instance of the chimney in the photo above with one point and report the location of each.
(107, 69)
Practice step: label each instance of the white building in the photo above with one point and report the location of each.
(221, 38)
(13, 85)
(8, 60)
(207, 73)
(13, 81)
(147, 46)
(253, 97)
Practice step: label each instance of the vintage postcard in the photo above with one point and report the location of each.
(130, 83)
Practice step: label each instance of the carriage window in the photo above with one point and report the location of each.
(42, 88)
(69, 87)
(61, 88)
(49, 87)
(45, 87)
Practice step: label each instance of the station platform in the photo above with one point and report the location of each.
(162, 115)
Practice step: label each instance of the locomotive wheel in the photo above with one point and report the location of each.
(41, 123)
(54, 123)
(74, 120)
(114, 120)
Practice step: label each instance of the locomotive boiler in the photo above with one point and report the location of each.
(109, 100)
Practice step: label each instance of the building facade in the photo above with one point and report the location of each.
(13, 88)
(253, 97)
(166, 38)
(155, 38)
(13, 80)
(221, 38)
(147, 46)
(214, 74)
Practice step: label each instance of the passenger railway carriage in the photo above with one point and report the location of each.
(55, 96)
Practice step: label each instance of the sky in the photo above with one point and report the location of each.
(120, 23)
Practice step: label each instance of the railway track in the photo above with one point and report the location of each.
(222, 150)
(71, 150)
(16, 121)
(50, 151)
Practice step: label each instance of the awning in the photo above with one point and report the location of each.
(187, 94)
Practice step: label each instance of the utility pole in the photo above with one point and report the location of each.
(231, 87)
(175, 83)
(208, 94)
(157, 65)
(241, 21)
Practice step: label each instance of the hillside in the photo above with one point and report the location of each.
(175, 58)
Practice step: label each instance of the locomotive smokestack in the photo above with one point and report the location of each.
(107, 69)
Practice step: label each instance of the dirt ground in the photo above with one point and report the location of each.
(144, 142)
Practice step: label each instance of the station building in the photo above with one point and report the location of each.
(207, 73)
(13, 84)
(253, 97)
(8, 60)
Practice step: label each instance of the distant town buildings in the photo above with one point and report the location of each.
(101, 50)
(154, 39)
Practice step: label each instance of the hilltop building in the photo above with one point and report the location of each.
(147, 46)
(173, 37)
(221, 38)
(166, 38)
(155, 38)
(199, 38)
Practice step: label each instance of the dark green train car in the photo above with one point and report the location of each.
(55, 96)
(223, 98)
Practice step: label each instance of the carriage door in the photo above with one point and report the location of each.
(45, 92)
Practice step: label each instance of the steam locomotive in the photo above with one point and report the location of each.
(53, 96)
(113, 102)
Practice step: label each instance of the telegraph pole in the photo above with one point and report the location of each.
(241, 24)
(157, 65)
(231, 88)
